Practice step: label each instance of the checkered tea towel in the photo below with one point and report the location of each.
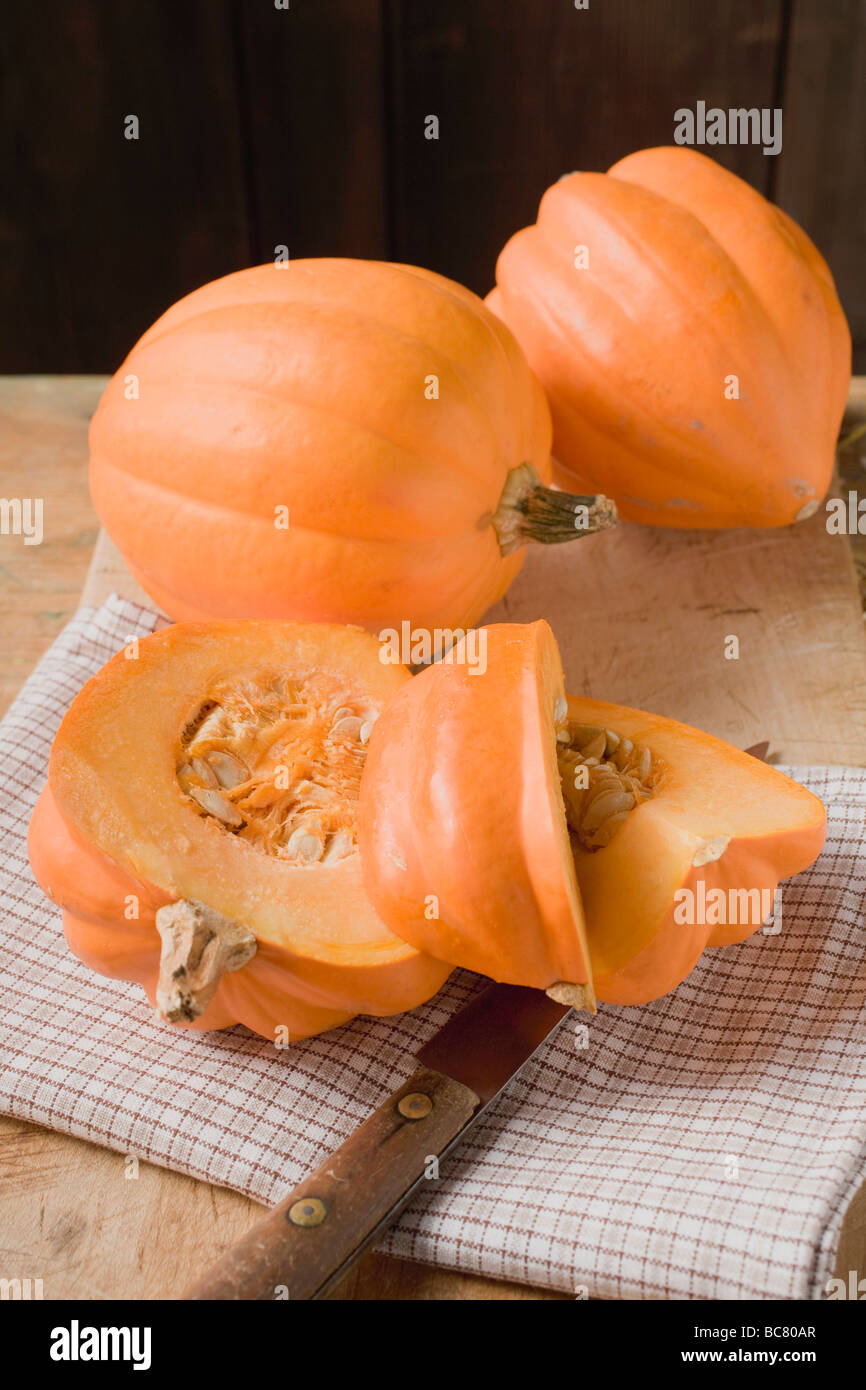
(704, 1146)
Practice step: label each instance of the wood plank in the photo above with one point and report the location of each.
(101, 233)
(70, 1216)
(642, 616)
(820, 175)
(312, 80)
(525, 93)
(43, 453)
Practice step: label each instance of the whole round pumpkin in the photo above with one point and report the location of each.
(690, 340)
(330, 440)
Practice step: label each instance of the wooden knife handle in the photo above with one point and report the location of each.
(318, 1231)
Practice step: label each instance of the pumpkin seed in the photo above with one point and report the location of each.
(609, 802)
(215, 803)
(275, 760)
(229, 769)
(596, 746)
(643, 764)
(340, 846)
(305, 844)
(204, 772)
(616, 776)
(606, 832)
(349, 726)
(581, 734)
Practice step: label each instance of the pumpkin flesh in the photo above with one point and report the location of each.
(716, 819)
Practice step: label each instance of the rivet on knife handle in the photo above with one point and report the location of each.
(323, 1225)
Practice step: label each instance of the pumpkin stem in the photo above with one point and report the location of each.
(199, 946)
(529, 511)
(578, 996)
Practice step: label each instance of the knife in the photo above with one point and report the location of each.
(306, 1243)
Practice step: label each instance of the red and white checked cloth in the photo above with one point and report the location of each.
(705, 1146)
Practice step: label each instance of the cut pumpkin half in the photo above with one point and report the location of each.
(584, 848)
(199, 828)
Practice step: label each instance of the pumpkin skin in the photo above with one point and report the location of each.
(113, 822)
(693, 278)
(459, 800)
(303, 387)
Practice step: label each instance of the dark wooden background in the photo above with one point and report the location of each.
(306, 127)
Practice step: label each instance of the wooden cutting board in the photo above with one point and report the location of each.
(643, 617)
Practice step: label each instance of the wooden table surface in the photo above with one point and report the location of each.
(642, 616)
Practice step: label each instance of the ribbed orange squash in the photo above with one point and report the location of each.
(463, 829)
(690, 340)
(330, 440)
(134, 820)
(463, 835)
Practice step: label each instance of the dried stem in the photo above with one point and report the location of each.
(529, 511)
(199, 946)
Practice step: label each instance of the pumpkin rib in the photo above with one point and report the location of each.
(448, 460)
(802, 257)
(628, 406)
(678, 468)
(429, 790)
(641, 251)
(720, 252)
(484, 417)
(463, 601)
(760, 209)
(232, 506)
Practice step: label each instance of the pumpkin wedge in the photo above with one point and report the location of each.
(690, 339)
(329, 440)
(694, 855)
(676, 840)
(199, 828)
(462, 827)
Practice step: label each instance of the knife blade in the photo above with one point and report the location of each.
(309, 1241)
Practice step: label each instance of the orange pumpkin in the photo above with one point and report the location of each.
(463, 833)
(329, 440)
(198, 828)
(677, 841)
(690, 340)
